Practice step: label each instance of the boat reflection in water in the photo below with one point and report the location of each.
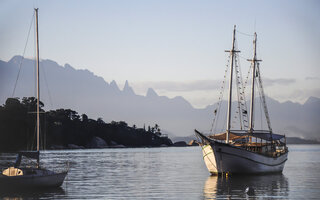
(44, 193)
(233, 187)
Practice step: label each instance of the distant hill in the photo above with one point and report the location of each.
(296, 140)
(88, 93)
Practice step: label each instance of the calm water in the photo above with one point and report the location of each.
(172, 173)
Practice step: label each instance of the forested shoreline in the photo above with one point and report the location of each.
(65, 128)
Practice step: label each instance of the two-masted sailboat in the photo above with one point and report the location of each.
(32, 177)
(246, 150)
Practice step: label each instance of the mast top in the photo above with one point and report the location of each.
(233, 41)
(255, 53)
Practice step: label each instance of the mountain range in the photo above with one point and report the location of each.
(85, 92)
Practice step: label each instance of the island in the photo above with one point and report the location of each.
(66, 129)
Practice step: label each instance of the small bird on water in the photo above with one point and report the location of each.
(249, 191)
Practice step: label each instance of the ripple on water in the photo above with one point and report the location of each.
(171, 173)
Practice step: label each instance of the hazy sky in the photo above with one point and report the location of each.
(175, 47)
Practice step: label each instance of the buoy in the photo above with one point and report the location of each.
(249, 191)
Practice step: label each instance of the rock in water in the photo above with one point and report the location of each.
(249, 191)
(73, 146)
(97, 142)
(113, 143)
(180, 144)
(193, 143)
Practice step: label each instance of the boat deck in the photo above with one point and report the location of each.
(267, 149)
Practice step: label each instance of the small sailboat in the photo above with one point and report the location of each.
(245, 150)
(32, 177)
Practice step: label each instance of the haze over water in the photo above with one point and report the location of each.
(172, 173)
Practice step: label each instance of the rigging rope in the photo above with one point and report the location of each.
(247, 78)
(246, 34)
(45, 80)
(24, 51)
(261, 112)
(238, 96)
(241, 109)
(263, 98)
(217, 110)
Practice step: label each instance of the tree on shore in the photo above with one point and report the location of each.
(66, 126)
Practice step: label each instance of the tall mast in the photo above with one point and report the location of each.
(254, 62)
(232, 53)
(38, 87)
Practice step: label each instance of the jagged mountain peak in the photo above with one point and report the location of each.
(47, 62)
(151, 93)
(114, 85)
(182, 100)
(127, 89)
(67, 66)
(126, 85)
(312, 100)
(15, 59)
(93, 96)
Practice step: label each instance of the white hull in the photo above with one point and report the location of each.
(224, 158)
(209, 158)
(41, 179)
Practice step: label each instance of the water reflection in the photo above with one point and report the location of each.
(266, 186)
(170, 173)
(20, 194)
